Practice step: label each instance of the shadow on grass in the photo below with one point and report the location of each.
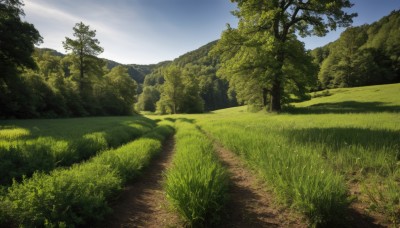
(344, 107)
(340, 138)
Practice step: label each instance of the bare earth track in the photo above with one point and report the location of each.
(143, 203)
(250, 205)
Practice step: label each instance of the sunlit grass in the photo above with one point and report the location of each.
(196, 184)
(313, 154)
(79, 195)
(27, 146)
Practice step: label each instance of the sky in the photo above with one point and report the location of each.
(151, 31)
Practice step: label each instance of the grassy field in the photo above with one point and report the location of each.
(27, 146)
(79, 195)
(324, 155)
(326, 158)
(196, 184)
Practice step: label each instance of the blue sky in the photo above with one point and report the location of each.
(150, 31)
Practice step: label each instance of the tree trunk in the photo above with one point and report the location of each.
(276, 90)
(275, 104)
(265, 94)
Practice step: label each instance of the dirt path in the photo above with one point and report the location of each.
(250, 205)
(143, 203)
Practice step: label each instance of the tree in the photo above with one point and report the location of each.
(83, 65)
(266, 30)
(148, 99)
(191, 100)
(172, 93)
(17, 40)
(85, 47)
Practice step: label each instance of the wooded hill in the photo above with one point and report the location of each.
(50, 84)
(209, 91)
(363, 55)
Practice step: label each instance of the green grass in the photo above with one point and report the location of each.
(316, 151)
(196, 184)
(27, 146)
(79, 195)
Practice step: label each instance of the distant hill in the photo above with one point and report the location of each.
(363, 55)
(213, 90)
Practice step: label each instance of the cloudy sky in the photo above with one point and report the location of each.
(150, 31)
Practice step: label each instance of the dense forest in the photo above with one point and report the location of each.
(201, 89)
(363, 55)
(44, 83)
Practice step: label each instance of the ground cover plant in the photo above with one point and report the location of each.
(79, 195)
(27, 146)
(196, 184)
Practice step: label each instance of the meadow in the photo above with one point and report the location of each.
(329, 159)
(27, 146)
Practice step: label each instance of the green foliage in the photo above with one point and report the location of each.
(172, 93)
(18, 38)
(147, 99)
(196, 184)
(17, 42)
(84, 48)
(260, 49)
(120, 92)
(364, 55)
(199, 69)
(179, 93)
(79, 195)
(74, 196)
(56, 89)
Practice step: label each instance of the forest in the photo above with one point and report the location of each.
(48, 84)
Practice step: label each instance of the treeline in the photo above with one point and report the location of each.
(43, 83)
(363, 55)
(188, 84)
(55, 89)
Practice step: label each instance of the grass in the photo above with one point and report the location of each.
(79, 195)
(196, 184)
(316, 151)
(27, 146)
(312, 156)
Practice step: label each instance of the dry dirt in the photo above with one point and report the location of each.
(143, 203)
(250, 205)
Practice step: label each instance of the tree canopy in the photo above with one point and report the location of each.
(261, 48)
(84, 47)
(363, 55)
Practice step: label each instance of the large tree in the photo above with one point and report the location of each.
(17, 38)
(172, 91)
(85, 47)
(262, 44)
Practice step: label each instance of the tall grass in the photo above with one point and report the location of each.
(298, 175)
(50, 144)
(348, 138)
(196, 184)
(79, 195)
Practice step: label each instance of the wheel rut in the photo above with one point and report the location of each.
(143, 203)
(249, 204)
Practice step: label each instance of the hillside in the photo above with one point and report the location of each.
(363, 55)
(202, 67)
